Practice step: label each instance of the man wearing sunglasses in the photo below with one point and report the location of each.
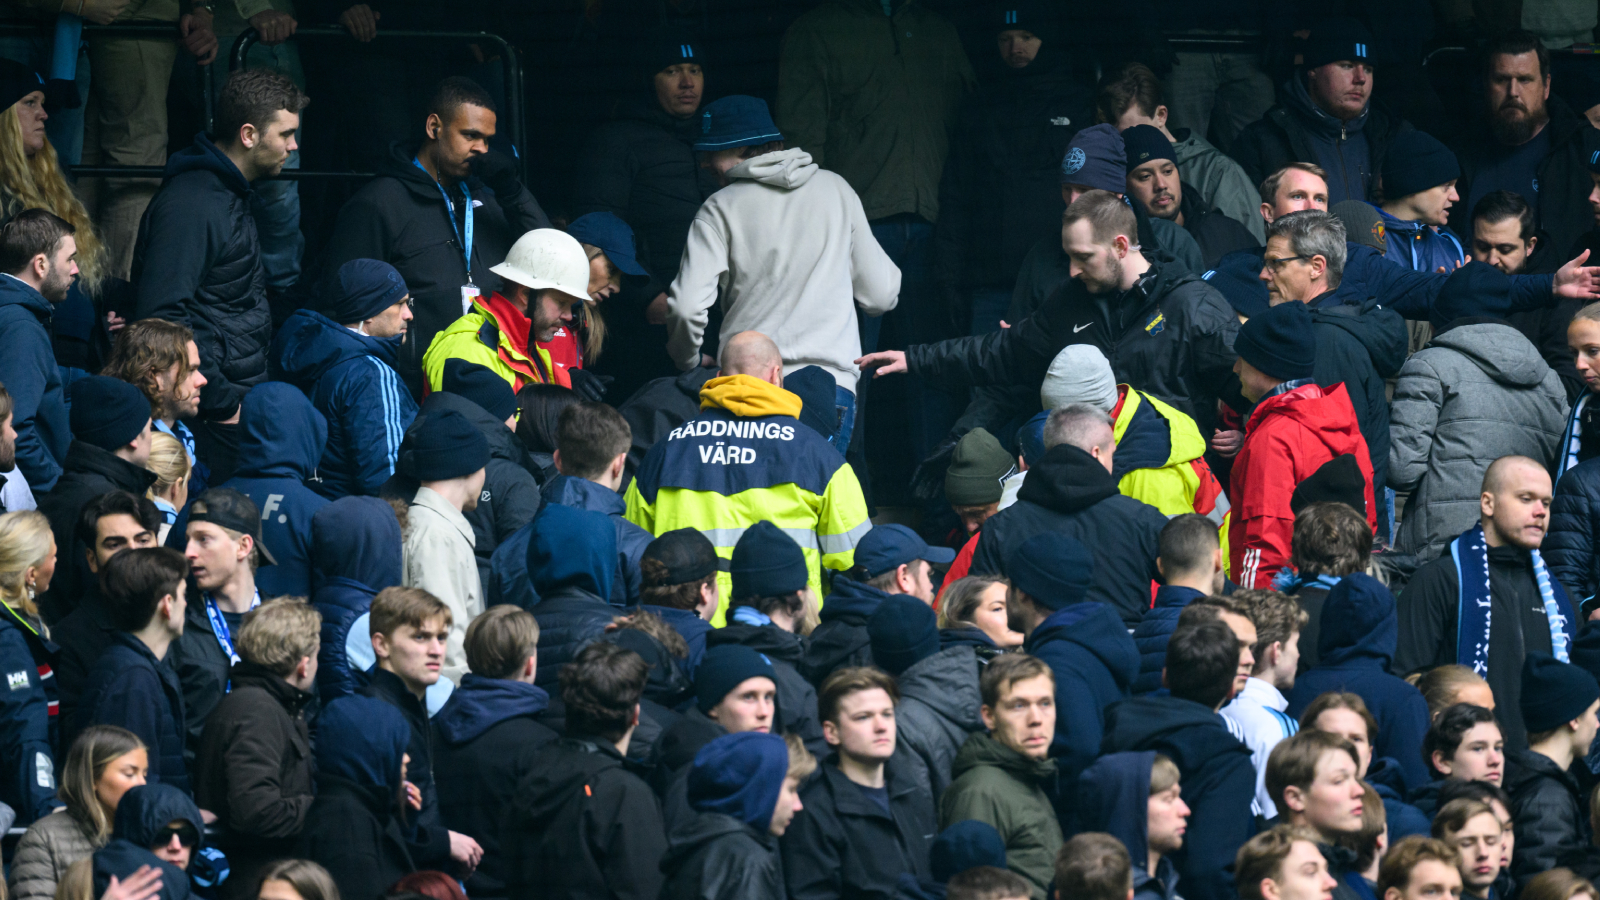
(344, 356)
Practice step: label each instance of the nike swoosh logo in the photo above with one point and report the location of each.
(1078, 328)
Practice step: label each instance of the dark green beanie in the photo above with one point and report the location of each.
(977, 468)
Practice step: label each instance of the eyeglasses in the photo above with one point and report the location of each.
(188, 835)
(1276, 265)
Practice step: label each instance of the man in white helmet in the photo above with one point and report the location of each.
(545, 273)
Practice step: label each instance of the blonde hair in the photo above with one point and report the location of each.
(78, 883)
(37, 181)
(801, 762)
(1441, 687)
(279, 633)
(25, 542)
(309, 880)
(94, 750)
(168, 460)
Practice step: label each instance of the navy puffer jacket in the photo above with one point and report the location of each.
(356, 553)
(1568, 547)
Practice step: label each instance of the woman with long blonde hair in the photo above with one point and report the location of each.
(30, 176)
(27, 564)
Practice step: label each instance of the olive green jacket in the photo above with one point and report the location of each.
(998, 785)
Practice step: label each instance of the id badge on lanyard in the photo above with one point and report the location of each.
(469, 291)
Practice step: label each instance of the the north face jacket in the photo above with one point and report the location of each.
(744, 459)
(198, 263)
(1360, 344)
(281, 438)
(1287, 438)
(353, 380)
(1439, 446)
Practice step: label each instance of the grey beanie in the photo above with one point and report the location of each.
(1080, 373)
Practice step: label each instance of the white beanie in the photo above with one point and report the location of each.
(1080, 373)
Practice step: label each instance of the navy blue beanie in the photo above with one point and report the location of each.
(740, 775)
(442, 445)
(1415, 162)
(667, 48)
(480, 385)
(107, 412)
(965, 845)
(1476, 290)
(1237, 278)
(361, 289)
(1052, 568)
(1097, 159)
(904, 631)
(767, 563)
(1553, 692)
(1279, 342)
(361, 739)
(725, 667)
(1335, 39)
(818, 393)
(1034, 16)
(1144, 143)
(572, 548)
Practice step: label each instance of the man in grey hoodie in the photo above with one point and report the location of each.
(787, 246)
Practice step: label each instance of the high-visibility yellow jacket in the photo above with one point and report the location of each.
(1160, 459)
(744, 459)
(494, 333)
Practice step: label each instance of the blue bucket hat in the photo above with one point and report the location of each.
(736, 121)
(612, 235)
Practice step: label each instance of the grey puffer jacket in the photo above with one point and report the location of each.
(1474, 394)
(939, 702)
(44, 854)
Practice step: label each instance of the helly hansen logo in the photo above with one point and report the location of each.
(771, 431)
(17, 681)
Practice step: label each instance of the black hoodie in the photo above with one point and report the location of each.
(89, 472)
(400, 217)
(582, 825)
(1071, 492)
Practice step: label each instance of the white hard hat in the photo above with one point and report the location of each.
(547, 258)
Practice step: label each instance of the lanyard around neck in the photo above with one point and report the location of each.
(450, 209)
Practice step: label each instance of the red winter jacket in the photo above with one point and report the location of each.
(1286, 439)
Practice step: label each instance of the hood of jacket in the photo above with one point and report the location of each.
(310, 343)
(1381, 331)
(581, 493)
(86, 458)
(148, 808)
(852, 601)
(1322, 411)
(971, 637)
(572, 548)
(401, 166)
(1097, 629)
(358, 538)
(120, 859)
(1151, 434)
(787, 169)
(503, 443)
(1067, 480)
(204, 156)
(1188, 733)
(749, 397)
(281, 434)
(1114, 795)
(1298, 99)
(13, 292)
(1500, 351)
(696, 831)
(947, 682)
(479, 704)
(363, 740)
(1359, 622)
(981, 750)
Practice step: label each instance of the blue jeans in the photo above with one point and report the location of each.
(64, 128)
(989, 306)
(845, 402)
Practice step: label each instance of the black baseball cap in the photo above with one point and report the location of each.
(227, 508)
(687, 554)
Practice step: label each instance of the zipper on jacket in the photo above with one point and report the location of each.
(1343, 169)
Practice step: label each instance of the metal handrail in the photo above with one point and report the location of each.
(238, 57)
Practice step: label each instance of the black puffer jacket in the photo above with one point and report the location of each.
(1550, 815)
(641, 167)
(400, 217)
(198, 262)
(1000, 189)
(1563, 209)
(1298, 130)
(717, 857)
(660, 406)
(1071, 492)
(1170, 336)
(570, 619)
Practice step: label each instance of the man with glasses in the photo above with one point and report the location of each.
(345, 358)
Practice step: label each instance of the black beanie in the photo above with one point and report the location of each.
(1415, 162)
(819, 398)
(1144, 143)
(767, 563)
(1475, 290)
(107, 412)
(17, 81)
(725, 667)
(1237, 278)
(1052, 568)
(1553, 692)
(903, 631)
(669, 47)
(440, 446)
(1033, 16)
(1279, 342)
(1339, 480)
(1335, 39)
(480, 385)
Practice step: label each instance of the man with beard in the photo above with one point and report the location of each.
(161, 359)
(1533, 145)
(1167, 334)
(544, 276)
(37, 253)
(1153, 180)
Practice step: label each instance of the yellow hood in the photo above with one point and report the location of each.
(747, 397)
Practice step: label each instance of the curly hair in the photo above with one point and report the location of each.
(146, 350)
